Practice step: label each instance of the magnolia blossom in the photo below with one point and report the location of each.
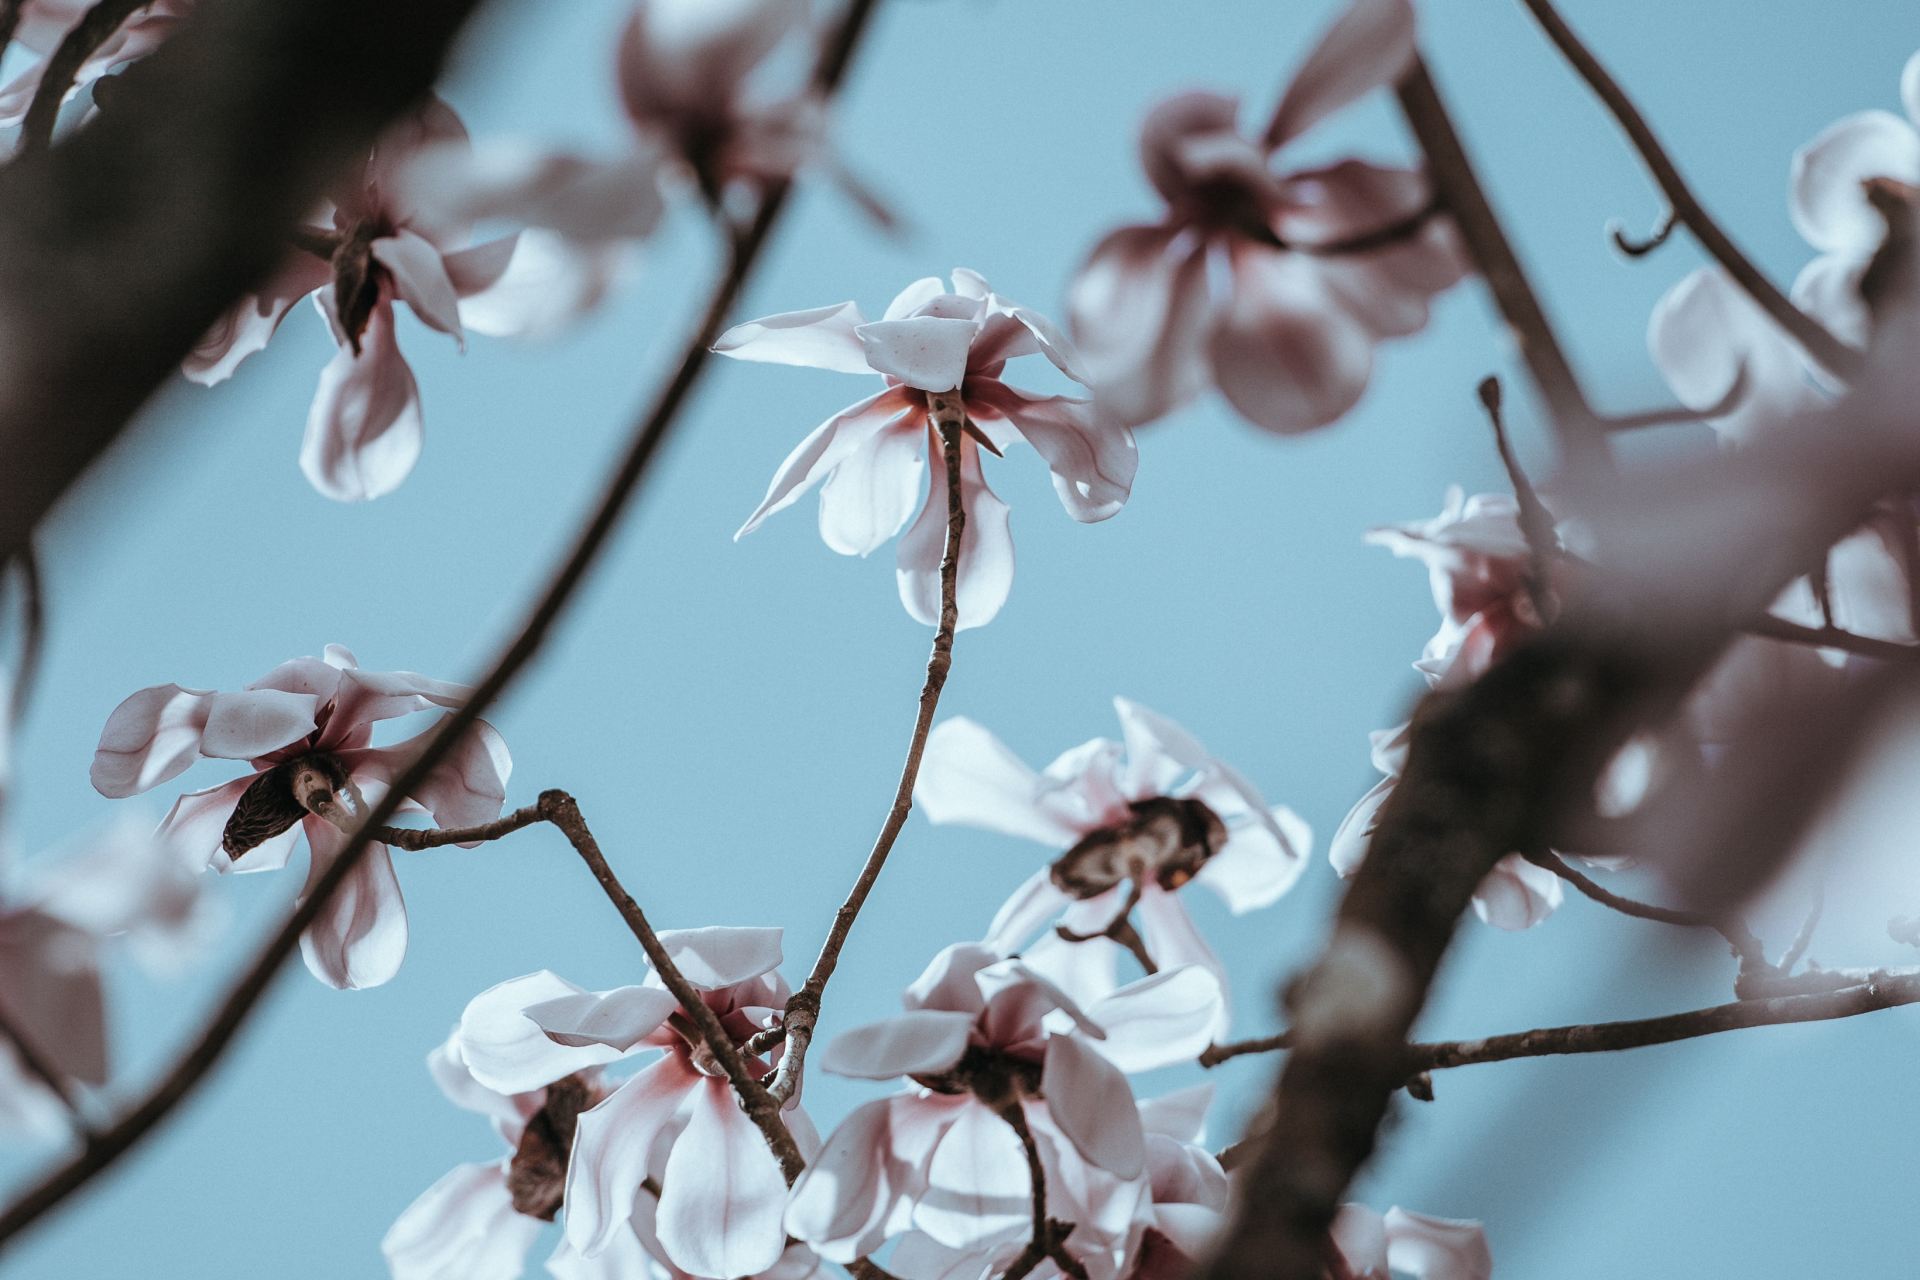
(305, 729)
(1143, 817)
(1372, 1244)
(868, 457)
(1273, 287)
(675, 1123)
(941, 1163)
(44, 23)
(364, 430)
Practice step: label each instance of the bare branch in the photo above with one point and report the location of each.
(1215, 1054)
(438, 837)
(1049, 1237)
(1738, 936)
(82, 41)
(1536, 522)
(1680, 414)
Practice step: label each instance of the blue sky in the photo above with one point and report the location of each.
(731, 716)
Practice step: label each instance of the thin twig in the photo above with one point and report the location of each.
(1774, 628)
(81, 42)
(1536, 522)
(1678, 415)
(1738, 936)
(436, 837)
(1804, 939)
(42, 1068)
(33, 631)
(803, 1010)
(1120, 928)
(1819, 343)
(1641, 246)
(1215, 1054)
(243, 997)
(1049, 1237)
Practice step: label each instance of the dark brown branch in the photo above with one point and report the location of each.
(1837, 356)
(1641, 246)
(82, 41)
(233, 1011)
(948, 416)
(438, 837)
(1215, 1054)
(1738, 936)
(1049, 1237)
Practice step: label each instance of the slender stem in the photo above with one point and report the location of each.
(1641, 246)
(1773, 628)
(1804, 939)
(81, 42)
(437, 837)
(41, 1068)
(1120, 928)
(1049, 1237)
(1738, 936)
(1837, 356)
(1577, 427)
(803, 1010)
(213, 1040)
(1215, 1054)
(1679, 414)
(1536, 522)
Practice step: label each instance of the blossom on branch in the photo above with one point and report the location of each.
(1371, 1245)
(1274, 287)
(868, 457)
(1136, 820)
(305, 729)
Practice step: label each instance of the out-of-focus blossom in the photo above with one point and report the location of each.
(1274, 287)
(364, 430)
(44, 23)
(676, 1123)
(1373, 1246)
(868, 458)
(305, 730)
(941, 1164)
(1145, 815)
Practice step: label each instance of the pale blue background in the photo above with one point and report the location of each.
(731, 716)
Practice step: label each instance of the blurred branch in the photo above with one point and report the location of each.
(1215, 1054)
(33, 633)
(1738, 936)
(1686, 208)
(82, 41)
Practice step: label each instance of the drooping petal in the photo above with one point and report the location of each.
(870, 493)
(916, 1042)
(928, 352)
(360, 936)
(723, 1195)
(1286, 353)
(1036, 902)
(1368, 47)
(420, 279)
(618, 1019)
(978, 1188)
(532, 284)
(1139, 311)
(250, 323)
(969, 776)
(721, 956)
(1827, 197)
(1164, 1018)
(817, 338)
(1170, 934)
(1260, 861)
(1430, 1248)
(153, 735)
(1092, 461)
(364, 431)
(506, 1051)
(463, 1227)
(1093, 1105)
(986, 548)
(825, 448)
(1517, 895)
(611, 1146)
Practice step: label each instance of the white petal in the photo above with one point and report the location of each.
(985, 571)
(360, 936)
(506, 1050)
(1430, 1248)
(819, 338)
(871, 492)
(718, 957)
(463, 1227)
(1162, 1019)
(928, 352)
(969, 776)
(420, 278)
(1828, 203)
(826, 447)
(978, 1188)
(618, 1019)
(1517, 894)
(722, 1194)
(611, 1146)
(1093, 1105)
(914, 1043)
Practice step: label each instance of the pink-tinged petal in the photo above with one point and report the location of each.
(986, 548)
(316, 676)
(1285, 353)
(463, 1227)
(915, 296)
(587, 200)
(506, 1051)
(360, 936)
(450, 1072)
(722, 1194)
(1697, 336)
(826, 447)
(253, 722)
(364, 430)
(1092, 461)
(928, 352)
(251, 323)
(871, 492)
(611, 1146)
(1368, 47)
(153, 735)
(125, 881)
(1139, 311)
(618, 1019)
(1168, 135)
(532, 284)
(1093, 1105)
(819, 338)
(841, 1201)
(1361, 1237)
(1827, 198)
(1019, 998)
(629, 1255)
(978, 1188)
(1260, 861)
(1034, 904)
(1429, 1248)
(379, 192)
(948, 980)
(1348, 849)
(720, 956)
(1162, 1019)
(1010, 331)
(198, 820)
(1180, 1115)
(420, 279)
(1348, 200)
(678, 58)
(468, 787)
(1159, 751)
(970, 777)
(1517, 894)
(364, 697)
(917, 1042)
(50, 989)
(1083, 784)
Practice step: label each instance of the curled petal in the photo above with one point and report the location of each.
(1368, 47)
(364, 697)
(723, 1195)
(826, 447)
(618, 1019)
(1092, 461)
(1093, 1105)
(948, 982)
(1827, 200)
(360, 936)
(1286, 353)
(252, 322)
(986, 548)
(506, 1051)
(969, 776)
(915, 297)
(253, 722)
(420, 278)
(153, 735)
(611, 1148)
(1162, 1019)
(449, 1071)
(818, 338)
(364, 432)
(1517, 894)
(1348, 848)
(928, 352)
(870, 493)
(1429, 1248)
(717, 957)
(914, 1043)
(1139, 311)
(463, 1227)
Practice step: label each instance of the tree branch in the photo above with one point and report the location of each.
(1215, 1054)
(1049, 1237)
(82, 41)
(1738, 936)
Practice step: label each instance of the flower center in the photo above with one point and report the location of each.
(994, 1076)
(1165, 838)
(281, 797)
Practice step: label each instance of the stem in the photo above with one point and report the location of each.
(245, 994)
(81, 42)
(948, 416)
(1049, 1237)
(435, 837)
(1536, 522)
(1837, 356)
(1215, 1054)
(1577, 427)
(1641, 246)
(1738, 936)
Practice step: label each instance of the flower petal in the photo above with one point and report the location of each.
(364, 429)
(420, 278)
(532, 284)
(1159, 751)
(1517, 895)
(153, 735)
(722, 1196)
(826, 447)
(253, 722)
(1260, 861)
(970, 777)
(619, 1019)
(250, 323)
(1036, 902)
(506, 1051)
(449, 1070)
(986, 548)
(720, 956)
(1348, 847)
(611, 1146)
(360, 936)
(1361, 1237)
(1139, 311)
(463, 1227)
(1093, 1105)
(1368, 47)
(1827, 198)
(1429, 1248)
(1092, 461)
(818, 338)
(1180, 1115)
(948, 981)
(468, 786)
(928, 352)
(978, 1188)
(913, 1043)
(871, 492)
(1285, 353)
(1162, 1019)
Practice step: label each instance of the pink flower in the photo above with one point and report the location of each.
(44, 23)
(1245, 283)
(305, 729)
(982, 1034)
(868, 456)
(676, 1122)
(364, 430)
(1412, 1244)
(1150, 813)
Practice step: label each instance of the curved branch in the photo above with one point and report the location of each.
(1641, 246)
(1738, 936)
(82, 41)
